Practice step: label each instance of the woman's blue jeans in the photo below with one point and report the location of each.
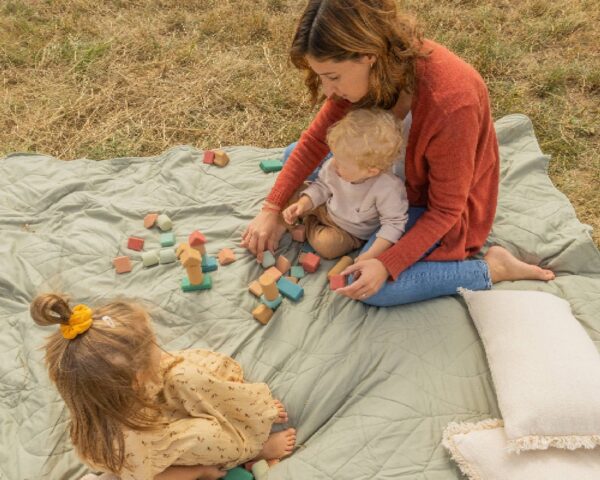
(423, 280)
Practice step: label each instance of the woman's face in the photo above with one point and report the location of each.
(348, 79)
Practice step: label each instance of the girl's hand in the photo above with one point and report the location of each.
(263, 233)
(291, 214)
(369, 277)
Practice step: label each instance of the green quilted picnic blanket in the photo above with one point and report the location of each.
(369, 390)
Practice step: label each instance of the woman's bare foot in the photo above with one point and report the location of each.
(278, 445)
(282, 416)
(504, 266)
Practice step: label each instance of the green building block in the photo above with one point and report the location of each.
(205, 285)
(297, 271)
(268, 166)
(167, 239)
(238, 473)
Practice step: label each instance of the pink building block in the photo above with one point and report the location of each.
(122, 264)
(226, 256)
(196, 239)
(209, 157)
(337, 281)
(150, 220)
(310, 262)
(135, 243)
(299, 233)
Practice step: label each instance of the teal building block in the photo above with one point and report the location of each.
(290, 290)
(206, 284)
(167, 239)
(209, 264)
(268, 259)
(238, 473)
(268, 166)
(297, 271)
(271, 304)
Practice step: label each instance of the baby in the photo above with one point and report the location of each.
(356, 194)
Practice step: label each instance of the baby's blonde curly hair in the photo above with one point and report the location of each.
(370, 137)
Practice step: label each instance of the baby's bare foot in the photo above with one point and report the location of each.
(278, 445)
(504, 265)
(282, 416)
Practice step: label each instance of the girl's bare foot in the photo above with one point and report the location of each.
(504, 266)
(282, 416)
(278, 445)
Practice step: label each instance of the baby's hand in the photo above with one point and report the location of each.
(364, 256)
(291, 214)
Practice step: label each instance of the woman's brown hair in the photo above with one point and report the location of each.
(97, 374)
(341, 30)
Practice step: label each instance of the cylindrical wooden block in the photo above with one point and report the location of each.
(195, 275)
(340, 266)
(269, 288)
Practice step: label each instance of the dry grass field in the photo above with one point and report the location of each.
(100, 79)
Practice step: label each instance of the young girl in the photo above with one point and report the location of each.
(142, 413)
(356, 194)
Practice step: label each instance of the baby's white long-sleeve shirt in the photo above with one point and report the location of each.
(362, 208)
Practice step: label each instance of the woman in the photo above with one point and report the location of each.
(363, 54)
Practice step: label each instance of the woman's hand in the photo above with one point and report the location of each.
(198, 472)
(263, 233)
(369, 277)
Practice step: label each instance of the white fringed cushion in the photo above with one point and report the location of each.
(545, 368)
(480, 450)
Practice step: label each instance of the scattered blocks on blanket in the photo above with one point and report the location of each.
(209, 264)
(289, 289)
(255, 288)
(206, 284)
(307, 247)
(150, 220)
(221, 158)
(268, 166)
(135, 243)
(166, 255)
(262, 313)
(238, 473)
(274, 272)
(209, 157)
(226, 256)
(292, 279)
(283, 264)
(260, 470)
(342, 264)
(164, 222)
(297, 271)
(310, 262)
(299, 233)
(122, 264)
(269, 287)
(268, 259)
(167, 239)
(337, 281)
(150, 258)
